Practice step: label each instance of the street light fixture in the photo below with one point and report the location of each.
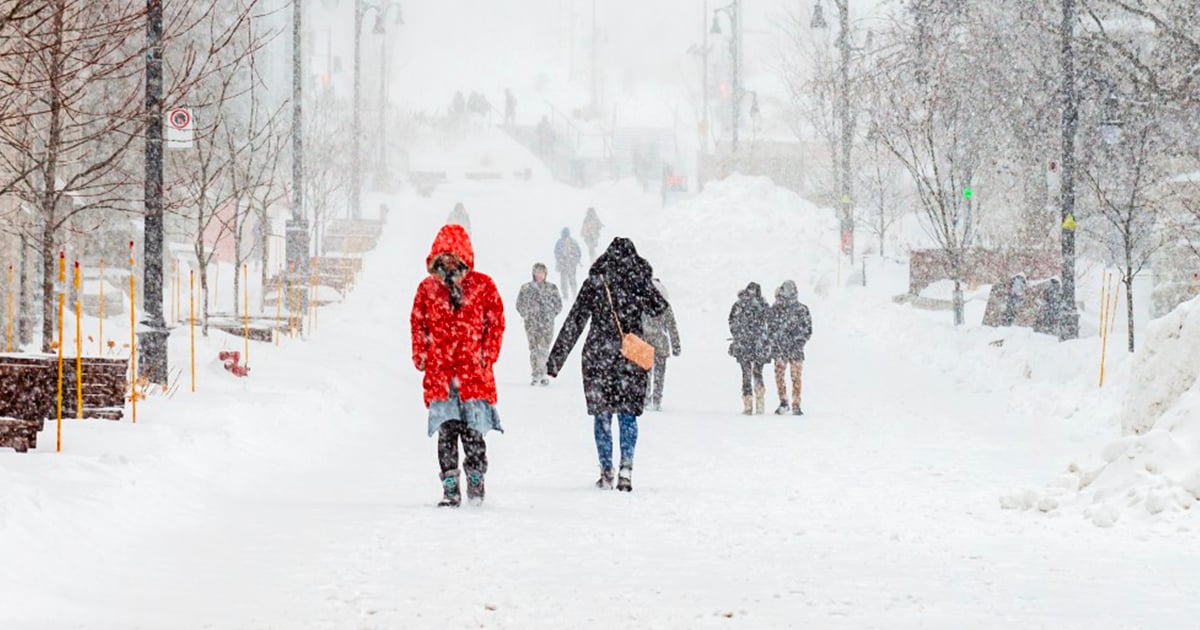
(845, 199)
(734, 12)
(1110, 127)
(360, 10)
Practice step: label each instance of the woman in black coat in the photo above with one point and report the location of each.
(611, 383)
(751, 346)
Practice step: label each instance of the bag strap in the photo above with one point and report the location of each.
(610, 305)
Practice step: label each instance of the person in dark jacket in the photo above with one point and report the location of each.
(591, 232)
(459, 216)
(662, 333)
(618, 289)
(751, 346)
(538, 304)
(566, 259)
(790, 327)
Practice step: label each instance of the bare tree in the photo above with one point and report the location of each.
(1127, 186)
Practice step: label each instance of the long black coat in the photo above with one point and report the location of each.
(748, 325)
(611, 383)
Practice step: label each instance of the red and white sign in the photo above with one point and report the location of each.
(180, 128)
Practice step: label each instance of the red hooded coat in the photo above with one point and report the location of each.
(462, 344)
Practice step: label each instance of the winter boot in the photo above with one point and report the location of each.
(606, 479)
(782, 408)
(760, 400)
(796, 410)
(625, 478)
(450, 493)
(474, 487)
(747, 405)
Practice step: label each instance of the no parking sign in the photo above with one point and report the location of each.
(180, 128)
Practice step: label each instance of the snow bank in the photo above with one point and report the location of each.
(1153, 471)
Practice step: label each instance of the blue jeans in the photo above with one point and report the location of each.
(604, 439)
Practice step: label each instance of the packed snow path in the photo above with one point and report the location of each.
(304, 497)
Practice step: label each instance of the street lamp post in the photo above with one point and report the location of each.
(360, 9)
(734, 12)
(296, 239)
(1068, 327)
(152, 339)
(845, 198)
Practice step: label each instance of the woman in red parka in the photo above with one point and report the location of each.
(457, 328)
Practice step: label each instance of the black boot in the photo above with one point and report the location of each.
(474, 487)
(625, 479)
(606, 479)
(450, 493)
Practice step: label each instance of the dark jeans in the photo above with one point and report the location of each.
(604, 439)
(656, 377)
(751, 371)
(474, 448)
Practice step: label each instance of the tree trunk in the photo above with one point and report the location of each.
(204, 300)
(266, 258)
(49, 274)
(237, 257)
(25, 306)
(1129, 304)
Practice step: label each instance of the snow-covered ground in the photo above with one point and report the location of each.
(303, 496)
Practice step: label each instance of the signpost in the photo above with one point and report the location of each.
(180, 128)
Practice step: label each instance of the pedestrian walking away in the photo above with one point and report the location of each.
(538, 304)
(457, 325)
(458, 216)
(790, 327)
(510, 109)
(615, 297)
(591, 232)
(567, 260)
(751, 345)
(662, 333)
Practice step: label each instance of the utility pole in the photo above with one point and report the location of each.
(735, 20)
(296, 240)
(152, 339)
(595, 62)
(383, 113)
(846, 201)
(1068, 316)
(356, 118)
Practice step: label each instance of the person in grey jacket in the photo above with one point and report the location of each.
(538, 304)
(661, 332)
(789, 326)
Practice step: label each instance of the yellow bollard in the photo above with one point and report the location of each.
(216, 303)
(1104, 334)
(192, 322)
(62, 286)
(78, 347)
(279, 311)
(291, 298)
(1112, 321)
(133, 374)
(246, 310)
(312, 303)
(8, 347)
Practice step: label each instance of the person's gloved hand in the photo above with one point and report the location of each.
(675, 351)
(419, 363)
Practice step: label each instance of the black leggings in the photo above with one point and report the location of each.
(751, 371)
(474, 448)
